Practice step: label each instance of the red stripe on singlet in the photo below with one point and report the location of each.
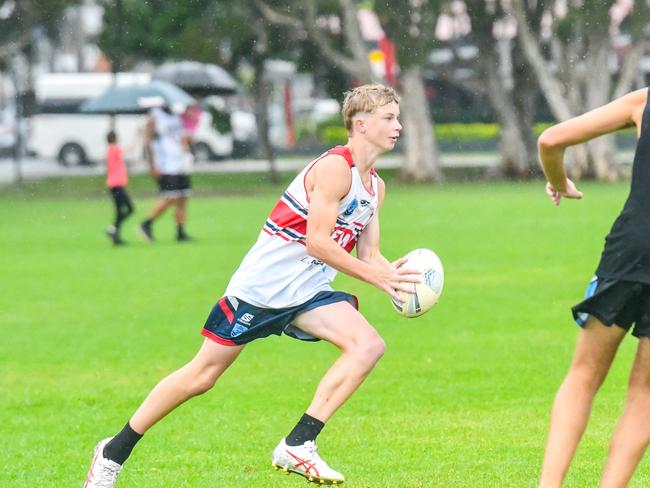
(283, 216)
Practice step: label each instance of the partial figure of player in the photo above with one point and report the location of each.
(617, 298)
(167, 151)
(116, 181)
(283, 286)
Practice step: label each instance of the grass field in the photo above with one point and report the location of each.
(461, 398)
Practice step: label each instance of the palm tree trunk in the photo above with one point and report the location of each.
(421, 161)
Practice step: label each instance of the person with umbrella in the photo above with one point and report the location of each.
(167, 148)
(165, 144)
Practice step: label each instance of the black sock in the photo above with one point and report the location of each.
(180, 230)
(307, 429)
(119, 447)
(147, 222)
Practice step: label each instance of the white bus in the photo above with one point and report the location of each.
(60, 131)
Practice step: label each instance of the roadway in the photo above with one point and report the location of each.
(35, 168)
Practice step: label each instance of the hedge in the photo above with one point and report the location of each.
(454, 134)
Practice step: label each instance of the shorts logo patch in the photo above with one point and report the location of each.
(237, 329)
(241, 324)
(246, 318)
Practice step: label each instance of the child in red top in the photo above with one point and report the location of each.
(116, 180)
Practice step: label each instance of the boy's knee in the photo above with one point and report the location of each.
(587, 376)
(202, 382)
(373, 348)
(639, 389)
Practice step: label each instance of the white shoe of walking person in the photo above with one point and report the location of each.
(103, 472)
(305, 461)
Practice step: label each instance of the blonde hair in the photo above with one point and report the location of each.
(366, 99)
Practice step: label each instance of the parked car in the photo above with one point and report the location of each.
(225, 116)
(208, 142)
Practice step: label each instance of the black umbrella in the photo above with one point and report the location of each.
(198, 79)
(136, 98)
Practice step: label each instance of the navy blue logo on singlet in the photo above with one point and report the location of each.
(365, 203)
(351, 208)
(310, 260)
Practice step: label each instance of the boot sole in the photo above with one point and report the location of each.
(309, 478)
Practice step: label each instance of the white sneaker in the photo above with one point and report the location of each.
(305, 461)
(103, 472)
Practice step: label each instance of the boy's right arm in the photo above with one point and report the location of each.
(330, 181)
(149, 133)
(622, 112)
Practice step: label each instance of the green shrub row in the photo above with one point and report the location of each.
(331, 134)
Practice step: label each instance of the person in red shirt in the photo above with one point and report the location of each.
(116, 180)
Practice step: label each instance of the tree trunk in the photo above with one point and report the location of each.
(601, 161)
(261, 90)
(578, 86)
(630, 70)
(518, 155)
(516, 161)
(527, 90)
(551, 86)
(421, 162)
(602, 152)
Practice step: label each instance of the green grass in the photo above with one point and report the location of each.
(461, 398)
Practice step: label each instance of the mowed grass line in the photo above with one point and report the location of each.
(461, 398)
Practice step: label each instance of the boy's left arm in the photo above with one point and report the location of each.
(368, 243)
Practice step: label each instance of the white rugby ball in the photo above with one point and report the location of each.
(428, 291)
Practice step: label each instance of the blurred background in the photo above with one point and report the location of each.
(479, 79)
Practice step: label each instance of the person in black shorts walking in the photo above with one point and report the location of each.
(166, 151)
(617, 300)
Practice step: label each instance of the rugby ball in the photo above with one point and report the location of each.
(428, 291)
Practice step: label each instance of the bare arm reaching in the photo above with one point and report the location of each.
(622, 112)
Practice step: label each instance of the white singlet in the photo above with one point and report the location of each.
(277, 272)
(166, 146)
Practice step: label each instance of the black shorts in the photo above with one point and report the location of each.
(616, 302)
(174, 186)
(233, 322)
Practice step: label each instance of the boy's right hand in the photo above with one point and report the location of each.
(570, 191)
(396, 278)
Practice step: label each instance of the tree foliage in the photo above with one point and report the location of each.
(23, 16)
(411, 24)
(212, 31)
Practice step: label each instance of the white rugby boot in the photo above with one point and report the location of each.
(305, 461)
(103, 472)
